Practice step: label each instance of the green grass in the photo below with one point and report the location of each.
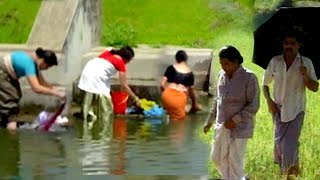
(189, 23)
(161, 22)
(16, 19)
(259, 156)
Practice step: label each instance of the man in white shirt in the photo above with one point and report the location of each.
(291, 74)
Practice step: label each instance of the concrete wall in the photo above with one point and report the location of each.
(83, 35)
(149, 63)
(52, 23)
(73, 27)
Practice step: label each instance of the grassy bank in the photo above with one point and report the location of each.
(16, 19)
(191, 23)
(154, 22)
(259, 157)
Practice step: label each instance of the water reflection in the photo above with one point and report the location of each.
(166, 149)
(95, 147)
(105, 154)
(42, 154)
(120, 136)
(9, 155)
(129, 147)
(178, 133)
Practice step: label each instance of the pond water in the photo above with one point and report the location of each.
(138, 148)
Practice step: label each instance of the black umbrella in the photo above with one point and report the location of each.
(268, 37)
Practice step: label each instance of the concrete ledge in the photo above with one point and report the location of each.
(6, 48)
(149, 63)
(53, 20)
(144, 89)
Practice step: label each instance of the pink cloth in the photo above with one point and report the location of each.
(43, 117)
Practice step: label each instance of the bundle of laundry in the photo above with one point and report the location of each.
(60, 124)
(49, 121)
(147, 108)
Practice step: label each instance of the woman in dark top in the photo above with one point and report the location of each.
(177, 84)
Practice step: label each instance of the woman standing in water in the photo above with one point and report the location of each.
(22, 64)
(177, 84)
(95, 80)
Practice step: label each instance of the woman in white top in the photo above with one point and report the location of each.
(95, 81)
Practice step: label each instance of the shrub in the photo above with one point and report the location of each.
(118, 34)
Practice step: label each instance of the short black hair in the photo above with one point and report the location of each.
(48, 56)
(181, 55)
(231, 53)
(292, 33)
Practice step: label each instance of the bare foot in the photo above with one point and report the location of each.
(12, 126)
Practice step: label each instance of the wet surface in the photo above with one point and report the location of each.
(135, 148)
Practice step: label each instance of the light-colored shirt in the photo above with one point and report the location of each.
(96, 76)
(237, 99)
(97, 73)
(288, 88)
(23, 64)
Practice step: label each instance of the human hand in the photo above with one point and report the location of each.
(58, 88)
(303, 70)
(230, 124)
(61, 95)
(207, 127)
(137, 102)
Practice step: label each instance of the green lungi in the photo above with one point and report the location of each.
(99, 108)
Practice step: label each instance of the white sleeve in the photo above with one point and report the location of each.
(310, 69)
(268, 74)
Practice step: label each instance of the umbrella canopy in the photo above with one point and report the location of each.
(268, 37)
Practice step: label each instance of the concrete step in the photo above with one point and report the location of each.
(52, 24)
(143, 88)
